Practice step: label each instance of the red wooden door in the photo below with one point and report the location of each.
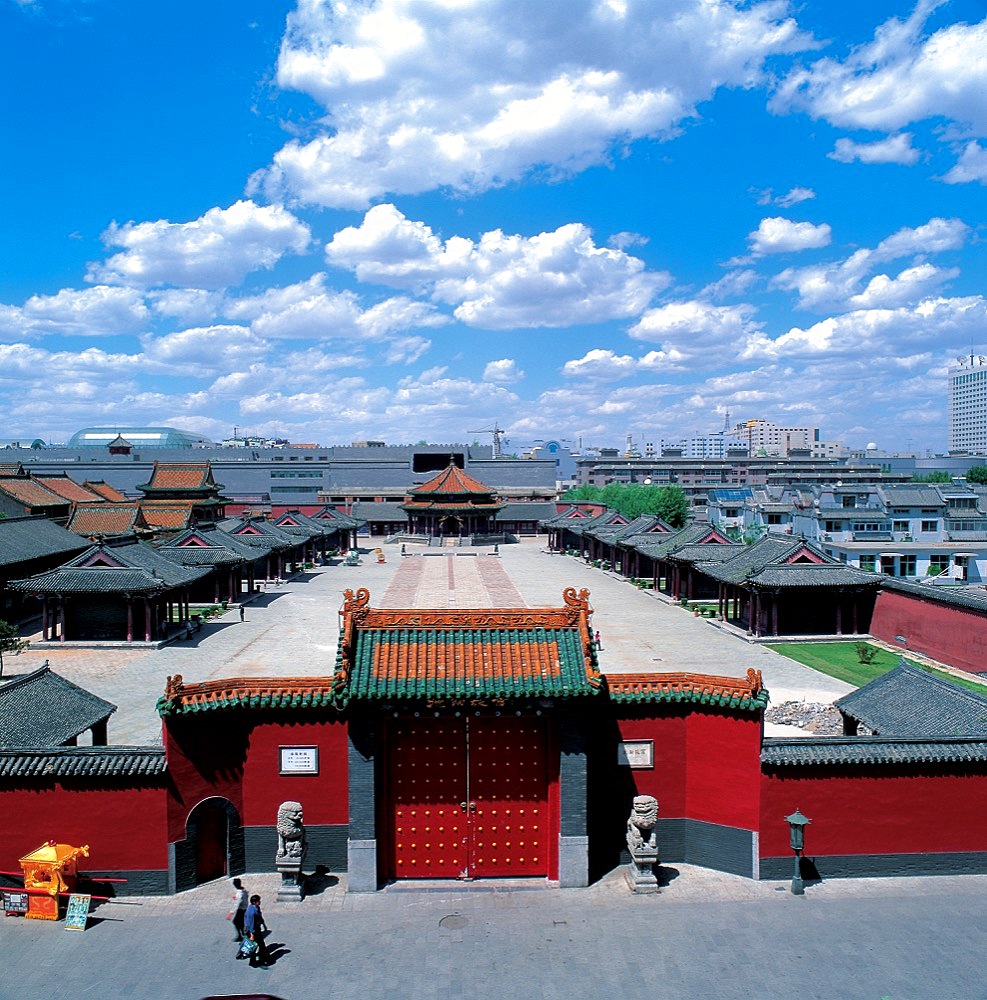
(210, 842)
(427, 787)
(508, 783)
(468, 798)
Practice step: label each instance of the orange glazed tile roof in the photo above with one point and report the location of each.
(67, 488)
(30, 493)
(104, 518)
(167, 513)
(730, 692)
(106, 491)
(466, 653)
(253, 692)
(452, 479)
(181, 476)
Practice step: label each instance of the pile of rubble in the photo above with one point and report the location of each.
(822, 720)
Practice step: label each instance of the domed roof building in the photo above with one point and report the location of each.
(138, 437)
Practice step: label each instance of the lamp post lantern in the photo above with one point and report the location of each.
(796, 828)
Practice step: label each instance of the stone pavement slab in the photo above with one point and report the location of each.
(706, 935)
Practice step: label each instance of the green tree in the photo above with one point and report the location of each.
(672, 505)
(10, 641)
(932, 477)
(582, 494)
(977, 474)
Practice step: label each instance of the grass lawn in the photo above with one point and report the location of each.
(840, 660)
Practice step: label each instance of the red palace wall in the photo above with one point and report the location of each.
(235, 757)
(124, 826)
(706, 764)
(875, 811)
(949, 634)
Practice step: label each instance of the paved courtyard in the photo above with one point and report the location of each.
(291, 630)
(708, 935)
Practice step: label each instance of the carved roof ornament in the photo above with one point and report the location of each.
(174, 687)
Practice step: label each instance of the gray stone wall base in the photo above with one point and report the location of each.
(876, 865)
(573, 862)
(707, 845)
(326, 845)
(361, 866)
(151, 882)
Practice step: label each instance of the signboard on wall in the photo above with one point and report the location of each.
(636, 753)
(298, 760)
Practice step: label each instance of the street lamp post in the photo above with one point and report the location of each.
(796, 827)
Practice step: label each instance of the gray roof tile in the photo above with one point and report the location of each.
(86, 762)
(43, 709)
(908, 701)
(836, 751)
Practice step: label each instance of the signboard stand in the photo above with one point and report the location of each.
(77, 912)
(15, 904)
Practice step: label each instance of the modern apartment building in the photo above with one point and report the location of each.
(968, 406)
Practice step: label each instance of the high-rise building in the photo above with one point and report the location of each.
(968, 406)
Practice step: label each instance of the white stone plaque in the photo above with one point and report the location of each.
(298, 760)
(636, 753)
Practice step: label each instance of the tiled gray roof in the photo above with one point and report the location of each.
(907, 701)
(43, 709)
(704, 554)
(769, 549)
(579, 526)
(910, 495)
(836, 751)
(83, 762)
(534, 510)
(368, 510)
(643, 524)
(972, 598)
(814, 575)
(658, 546)
(258, 533)
(23, 539)
(140, 568)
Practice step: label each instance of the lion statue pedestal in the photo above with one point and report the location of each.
(291, 852)
(642, 842)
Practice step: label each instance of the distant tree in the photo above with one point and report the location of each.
(672, 505)
(10, 641)
(582, 494)
(667, 502)
(932, 477)
(977, 474)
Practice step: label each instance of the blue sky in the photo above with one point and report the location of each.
(411, 219)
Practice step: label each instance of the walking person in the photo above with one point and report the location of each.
(599, 641)
(241, 612)
(255, 926)
(239, 909)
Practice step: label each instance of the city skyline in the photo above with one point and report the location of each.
(415, 219)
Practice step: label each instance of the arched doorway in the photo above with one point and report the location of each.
(212, 828)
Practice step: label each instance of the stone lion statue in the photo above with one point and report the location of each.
(641, 824)
(291, 831)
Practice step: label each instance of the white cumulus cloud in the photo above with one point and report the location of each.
(214, 251)
(501, 281)
(780, 235)
(422, 94)
(88, 312)
(894, 149)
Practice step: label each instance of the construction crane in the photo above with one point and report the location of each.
(498, 433)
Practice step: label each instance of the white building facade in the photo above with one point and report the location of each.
(968, 406)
